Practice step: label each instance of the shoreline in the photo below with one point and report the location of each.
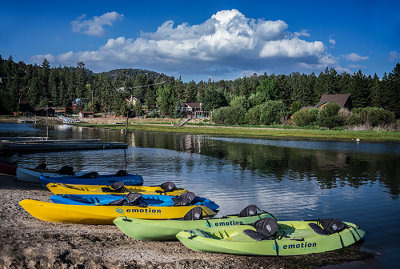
(260, 132)
(27, 242)
(201, 128)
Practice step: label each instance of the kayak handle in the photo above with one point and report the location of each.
(126, 219)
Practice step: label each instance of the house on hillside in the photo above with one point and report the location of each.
(193, 110)
(60, 111)
(85, 114)
(131, 100)
(343, 100)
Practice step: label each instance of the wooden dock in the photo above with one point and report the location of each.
(26, 146)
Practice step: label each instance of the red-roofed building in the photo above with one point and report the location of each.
(343, 100)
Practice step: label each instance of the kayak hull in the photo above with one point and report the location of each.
(33, 175)
(161, 230)
(60, 188)
(129, 180)
(103, 199)
(301, 240)
(84, 214)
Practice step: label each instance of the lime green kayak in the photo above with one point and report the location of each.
(290, 238)
(159, 230)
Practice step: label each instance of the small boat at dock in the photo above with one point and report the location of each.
(33, 174)
(94, 178)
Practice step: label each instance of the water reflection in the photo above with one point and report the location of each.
(329, 164)
(354, 165)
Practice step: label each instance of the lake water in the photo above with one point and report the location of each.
(356, 182)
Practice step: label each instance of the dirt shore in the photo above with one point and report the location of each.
(26, 242)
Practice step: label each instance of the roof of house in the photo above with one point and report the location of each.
(340, 99)
(193, 105)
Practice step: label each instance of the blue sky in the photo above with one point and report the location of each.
(205, 39)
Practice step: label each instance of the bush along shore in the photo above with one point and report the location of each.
(359, 133)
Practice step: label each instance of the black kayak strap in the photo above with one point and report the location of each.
(357, 232)
(276, 248)
(209, 224)
(341, 240)
(354, 237)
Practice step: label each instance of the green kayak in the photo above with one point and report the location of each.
(159, 230)
(271, 238)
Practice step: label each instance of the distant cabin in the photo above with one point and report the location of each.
(193, 110)
(343, 100)
(85, 114)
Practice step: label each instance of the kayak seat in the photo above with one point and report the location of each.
(41, 166)
(117, 202)
(121, 173)
(168, 186)
(115, 187)
(194, 214)
(130, 199)
(327, 226)
(317, 229)
(184, 199)
(248, 211)
(256, 235)
(66, 170)
(134, 198)
(265, 229)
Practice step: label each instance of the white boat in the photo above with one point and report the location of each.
(33, 174)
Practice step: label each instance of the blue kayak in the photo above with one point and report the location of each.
(136, 199)
(93, 178)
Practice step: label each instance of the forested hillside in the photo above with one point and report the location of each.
(106, 92)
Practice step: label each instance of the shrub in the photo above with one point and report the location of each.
(328, 116)
(306, 117)
(228, 115)
(153, 114)
(269, 112)
(272, 112)
(256, 99)
(240, 101)
(296, 106)
(345, 115)
(253, 115)
(372, 116)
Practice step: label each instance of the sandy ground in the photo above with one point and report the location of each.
(26, 242)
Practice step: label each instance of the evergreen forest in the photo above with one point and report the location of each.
(256, 99)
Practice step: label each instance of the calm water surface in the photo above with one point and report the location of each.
(356, 182)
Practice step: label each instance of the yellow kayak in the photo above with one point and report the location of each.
(86, 214)
(163, 189)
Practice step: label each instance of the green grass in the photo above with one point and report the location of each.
(264, 132)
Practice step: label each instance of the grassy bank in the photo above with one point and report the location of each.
(206, 128)
(257, 132)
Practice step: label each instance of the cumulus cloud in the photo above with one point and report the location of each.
(354, 57)
(226, 43)
(95, 26)
(393, 56)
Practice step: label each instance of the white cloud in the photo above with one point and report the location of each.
(332, 41)
(393, 56)
(357, 66)
(354, 57)
(95, 25)
(226, 43)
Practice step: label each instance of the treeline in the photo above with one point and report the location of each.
(244, 100)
